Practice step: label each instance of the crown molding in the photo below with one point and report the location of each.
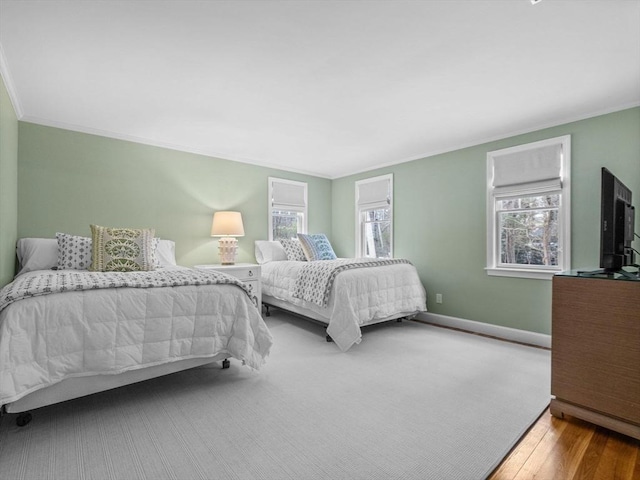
(502, 136)
(8, 83)
(272, 165)
(170, 146)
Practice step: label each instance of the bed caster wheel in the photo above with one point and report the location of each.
(23, 419)
(267, 313)
(226, 363)
(329, 339)
(399, 320)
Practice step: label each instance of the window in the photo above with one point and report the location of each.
(287, 208)
(374, 211)
(528, 209)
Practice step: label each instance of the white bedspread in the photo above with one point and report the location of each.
(45, 339)
(359, 297)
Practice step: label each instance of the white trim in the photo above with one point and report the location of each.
(233, 158)
(359, 208)
(493, 266)
(494, 138)
(207, 152)
(304, 211)
(498, 331)
(8, 83)
(518, 273)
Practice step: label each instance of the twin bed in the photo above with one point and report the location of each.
(69, 332)
(343, 294)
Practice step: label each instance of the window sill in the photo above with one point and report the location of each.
(522, 273)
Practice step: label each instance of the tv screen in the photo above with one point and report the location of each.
(617, 224)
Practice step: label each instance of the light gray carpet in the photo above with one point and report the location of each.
(412, 401)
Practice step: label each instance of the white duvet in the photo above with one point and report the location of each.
(45, 339)
(359, 297)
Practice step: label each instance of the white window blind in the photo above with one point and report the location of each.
(288, 195)
(374, 193)
(534, 169)
(529, 209)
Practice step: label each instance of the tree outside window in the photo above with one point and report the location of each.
(374, 212)
(286, 224)
(529, 210)
(377, 233)
(528, 229)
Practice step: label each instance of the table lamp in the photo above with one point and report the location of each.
(227, 225)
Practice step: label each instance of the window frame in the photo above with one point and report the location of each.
(493, 266)
(301, 228)
(373, 206)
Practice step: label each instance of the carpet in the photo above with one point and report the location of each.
(412, 401)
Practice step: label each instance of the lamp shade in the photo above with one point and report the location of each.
(227, 224)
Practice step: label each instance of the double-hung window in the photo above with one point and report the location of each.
(374, 214)
(287, 208)
(528, 209)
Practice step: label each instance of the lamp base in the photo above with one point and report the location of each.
(227, 247)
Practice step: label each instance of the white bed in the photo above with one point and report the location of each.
(63, 345)
(359, 296)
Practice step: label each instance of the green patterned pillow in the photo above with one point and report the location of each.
(122, 249)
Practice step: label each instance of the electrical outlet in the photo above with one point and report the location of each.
(438, 298)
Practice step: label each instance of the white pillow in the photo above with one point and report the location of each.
(165, 253)
(74, 252)
(267, 251)
(42, 254)
(36, 254)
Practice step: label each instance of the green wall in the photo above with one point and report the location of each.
(8, 186)
(68, 180)
(440, 219)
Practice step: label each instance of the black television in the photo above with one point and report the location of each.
(616, 225)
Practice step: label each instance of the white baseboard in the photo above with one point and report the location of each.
(505, 333)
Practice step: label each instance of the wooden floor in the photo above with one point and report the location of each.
(569, 449)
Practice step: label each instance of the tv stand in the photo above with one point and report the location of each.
(595, 350)
(609, 273)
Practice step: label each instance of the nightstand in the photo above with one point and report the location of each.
(247, 273)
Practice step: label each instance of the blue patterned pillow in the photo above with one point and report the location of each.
(293, 249)
(316, 247)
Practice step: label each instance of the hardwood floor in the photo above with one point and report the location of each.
(571, 449)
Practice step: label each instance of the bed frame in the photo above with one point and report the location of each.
(268, 301)
(75, 387)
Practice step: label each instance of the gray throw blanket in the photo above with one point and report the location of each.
(73, 280)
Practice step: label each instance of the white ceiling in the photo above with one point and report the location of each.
(328, 88)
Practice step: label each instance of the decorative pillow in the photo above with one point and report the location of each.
(122, 249)
(36, 254)
(293, 249)
(165, 252)
(74, 252)
(267, 251)
(316, 247)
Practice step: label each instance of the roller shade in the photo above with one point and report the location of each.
(540, 166)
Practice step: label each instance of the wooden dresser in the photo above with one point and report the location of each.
(595, 351)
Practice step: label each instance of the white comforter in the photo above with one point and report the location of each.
(359, 297)
(45, 339)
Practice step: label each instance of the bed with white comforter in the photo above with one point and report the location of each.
(70, 333)
(357, 296)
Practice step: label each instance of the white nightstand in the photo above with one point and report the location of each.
(247, 273)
